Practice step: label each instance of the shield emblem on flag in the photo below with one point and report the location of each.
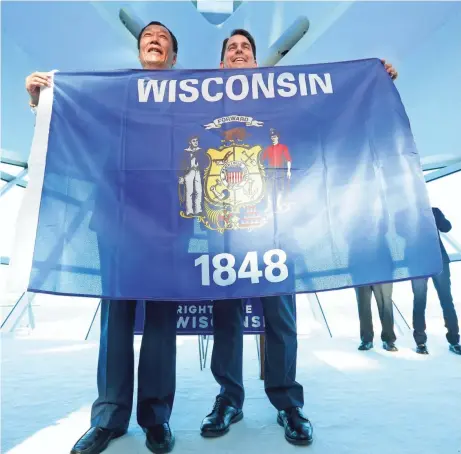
(235, 176)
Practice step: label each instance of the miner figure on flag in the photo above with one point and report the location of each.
(278, 171)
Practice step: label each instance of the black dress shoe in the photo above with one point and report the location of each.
(95, 440)
(221, 417)
(298, 429)
(159, 438)
(455, 348)
(422, 349)
(366, 346)
(390, 346)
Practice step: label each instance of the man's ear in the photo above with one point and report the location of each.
(174, 60)
(221, 65)
(256, 63)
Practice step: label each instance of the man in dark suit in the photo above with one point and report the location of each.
(285, 394)
(239, 51)
(111, 412)
(442, 285)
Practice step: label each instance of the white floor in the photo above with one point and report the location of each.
(371, 403)
(359, 402)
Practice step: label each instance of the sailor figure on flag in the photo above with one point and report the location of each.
(192, 179)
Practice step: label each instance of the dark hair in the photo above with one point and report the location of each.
(173, 38)
(239, 31)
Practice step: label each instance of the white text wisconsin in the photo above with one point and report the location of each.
(235, 88)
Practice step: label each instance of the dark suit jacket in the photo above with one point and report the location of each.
(444, 225)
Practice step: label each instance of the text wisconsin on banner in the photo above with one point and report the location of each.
(235, 88)
(208, 184)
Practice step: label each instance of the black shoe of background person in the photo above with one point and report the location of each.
(390, 346)
(366, 346)
(96, 440)
(298, 429)
(422, 349)
(159, 438)
(221, 417)
(455, 348)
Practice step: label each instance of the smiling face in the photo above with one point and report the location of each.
(156, 48)
(238, 53)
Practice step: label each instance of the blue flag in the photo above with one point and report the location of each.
(209, 184)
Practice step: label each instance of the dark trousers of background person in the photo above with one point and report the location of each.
(442, 285)
(157, 360)
(281, 346)
(383, 296)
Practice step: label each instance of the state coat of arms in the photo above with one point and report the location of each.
(223, 186)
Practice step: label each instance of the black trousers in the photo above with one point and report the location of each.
(281, 348)
(157, 360)
(156, 369)
(383, 296)
(442, 284)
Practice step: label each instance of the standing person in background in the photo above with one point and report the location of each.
(383, 296)
(442, 284)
